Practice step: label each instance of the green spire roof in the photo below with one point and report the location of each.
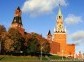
(59, 12)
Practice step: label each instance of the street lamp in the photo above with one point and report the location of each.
(62, 54)
(41, 53)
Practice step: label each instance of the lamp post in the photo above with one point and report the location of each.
(62, 54)
(41, 53)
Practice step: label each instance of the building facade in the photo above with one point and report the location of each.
(58, 40)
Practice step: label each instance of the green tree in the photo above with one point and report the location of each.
(34, 42)
(44, 43)
(33, 45)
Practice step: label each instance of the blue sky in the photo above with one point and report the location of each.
(40, 16)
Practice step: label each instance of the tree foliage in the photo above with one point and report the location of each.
(34, 42)
(8, 45)
(17, 39)
(43, 43)
(33, 45)
(2, 35)
(29, 43)
(2, 29)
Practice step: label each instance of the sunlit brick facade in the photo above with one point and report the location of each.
(58, 41)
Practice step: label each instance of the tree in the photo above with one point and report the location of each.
(43, 43)
(46, 47)
(2, 29)
(8, 45)
(17, 39)
(34, 42)
(31, 45)
(2, 36)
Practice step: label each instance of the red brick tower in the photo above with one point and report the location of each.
(59, 35)
(17, 21)
(59, 44)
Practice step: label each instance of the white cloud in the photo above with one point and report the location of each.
(78, 37)
(41, 6)
(73, 19)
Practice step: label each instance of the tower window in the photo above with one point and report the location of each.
(59, 17)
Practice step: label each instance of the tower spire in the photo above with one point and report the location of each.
(17, 21)
(49, 36)
(59, 23)
(59, 11)
(49, 33)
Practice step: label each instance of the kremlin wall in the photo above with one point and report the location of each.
(57, 40)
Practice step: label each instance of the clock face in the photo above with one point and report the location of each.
(60, 26)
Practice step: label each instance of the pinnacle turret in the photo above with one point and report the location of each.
(49, 36)
(17, 21)
(49, 33)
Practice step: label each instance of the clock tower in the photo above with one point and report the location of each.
(59, 35)
(59, 23)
